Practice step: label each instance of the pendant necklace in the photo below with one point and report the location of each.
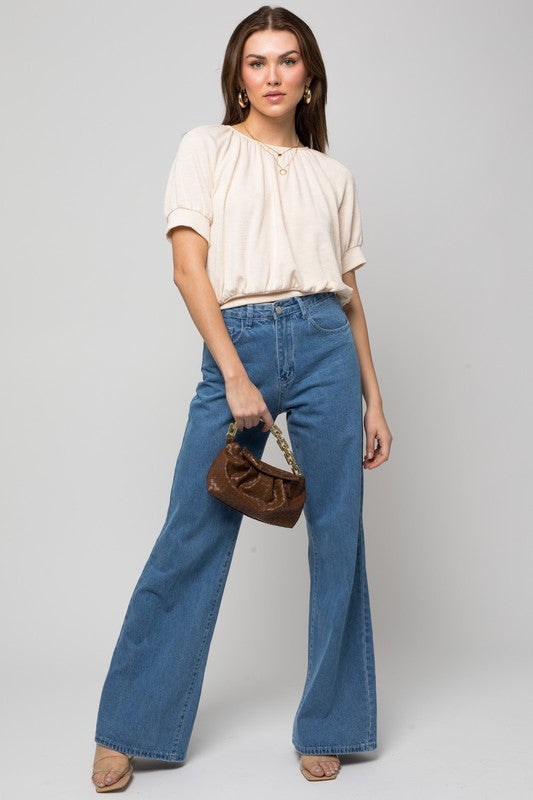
(274, 153)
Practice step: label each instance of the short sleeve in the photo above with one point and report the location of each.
(189, 187)
(351, 230)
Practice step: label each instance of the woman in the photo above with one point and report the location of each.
(266, 236)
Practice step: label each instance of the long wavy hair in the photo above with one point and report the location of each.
(310, 118)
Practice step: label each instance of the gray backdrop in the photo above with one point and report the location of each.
(430, 107)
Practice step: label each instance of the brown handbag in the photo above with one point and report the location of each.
(259, 490)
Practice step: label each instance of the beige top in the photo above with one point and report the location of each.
(270, 236)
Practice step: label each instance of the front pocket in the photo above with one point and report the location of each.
(327, 316)
(234, 328)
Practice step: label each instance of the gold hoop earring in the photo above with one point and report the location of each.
(243, 103)
(307, 95)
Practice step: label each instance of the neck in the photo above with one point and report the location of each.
(280, 133)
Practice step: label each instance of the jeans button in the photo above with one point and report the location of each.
(279, 309)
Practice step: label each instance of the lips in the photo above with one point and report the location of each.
(275, 94)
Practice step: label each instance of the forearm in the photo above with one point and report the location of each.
(200, 299)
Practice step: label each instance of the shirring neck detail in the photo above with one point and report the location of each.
(249, 138)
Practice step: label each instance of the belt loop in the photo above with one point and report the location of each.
(302, 305)
(249, 315)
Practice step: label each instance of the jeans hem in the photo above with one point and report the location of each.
(323, 749)
(132, 750)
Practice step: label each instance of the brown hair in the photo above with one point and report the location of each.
(310, 118)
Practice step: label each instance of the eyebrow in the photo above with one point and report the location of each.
(254, 55)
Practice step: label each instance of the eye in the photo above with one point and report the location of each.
(285, 61)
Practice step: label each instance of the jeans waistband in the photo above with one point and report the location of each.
(289, 305)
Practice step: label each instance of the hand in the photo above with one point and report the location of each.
(247, 404)
(376, 428)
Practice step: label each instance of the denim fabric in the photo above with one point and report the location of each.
(301, 354)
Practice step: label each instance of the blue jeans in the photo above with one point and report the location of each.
(300, 353)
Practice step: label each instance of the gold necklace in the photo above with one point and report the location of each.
(275, 154)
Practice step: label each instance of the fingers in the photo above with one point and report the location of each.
(374, 461)
(371, 437)
(267, 419)
(250, 421)
(376, 455)
(254, 419)
(248, 406)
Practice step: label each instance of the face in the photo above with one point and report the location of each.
(271, 62)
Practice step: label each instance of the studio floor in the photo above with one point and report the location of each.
(443, 732)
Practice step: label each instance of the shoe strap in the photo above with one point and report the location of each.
(111, 755)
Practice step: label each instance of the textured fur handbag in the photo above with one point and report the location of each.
(259, 490)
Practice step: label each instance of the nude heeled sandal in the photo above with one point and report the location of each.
(118, 784)
(309, 775)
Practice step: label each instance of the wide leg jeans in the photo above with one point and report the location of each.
(300, 353)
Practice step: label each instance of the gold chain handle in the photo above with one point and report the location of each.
(282, 442)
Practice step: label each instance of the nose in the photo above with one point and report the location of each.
(272, 78)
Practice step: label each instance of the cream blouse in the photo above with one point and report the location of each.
(270, 236)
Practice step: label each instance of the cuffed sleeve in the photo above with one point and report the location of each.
(351, 230)
(188, 194)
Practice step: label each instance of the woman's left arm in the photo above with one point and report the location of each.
(374, 418)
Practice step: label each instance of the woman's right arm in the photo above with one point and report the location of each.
(189, 253)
